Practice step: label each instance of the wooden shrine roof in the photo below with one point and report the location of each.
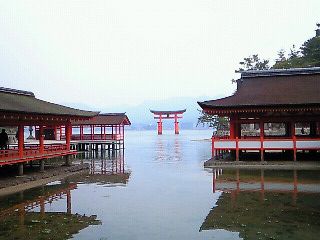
(168, 112)
(23, 102)
(106, 119)
(272, 88)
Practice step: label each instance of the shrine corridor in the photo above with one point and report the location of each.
(158, 189)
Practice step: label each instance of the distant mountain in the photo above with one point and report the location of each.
(140, 115)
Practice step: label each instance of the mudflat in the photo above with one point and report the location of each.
(12, 184)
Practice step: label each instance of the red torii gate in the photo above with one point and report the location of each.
(168, 115)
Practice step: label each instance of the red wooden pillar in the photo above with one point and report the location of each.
(20, 140)
(41, 140)
(293, 129)
(55, 132)
(112, 137)
(101, 133)
(68, 134)
(176, 124)
(104, 132)
(160, 125)
(81, 132)
(60, 131)
(232, 128)
(92, 132)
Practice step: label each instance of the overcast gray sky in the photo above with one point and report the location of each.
(113, 52)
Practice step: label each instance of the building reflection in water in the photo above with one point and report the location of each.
(104, 168)
(25, 215)
(266, 204)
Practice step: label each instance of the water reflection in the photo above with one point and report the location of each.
(29, 214)
(168, 150)
(266, 204)
(104, 168)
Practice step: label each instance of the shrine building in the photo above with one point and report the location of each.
(20, 109)
(271, 111)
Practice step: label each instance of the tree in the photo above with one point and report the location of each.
(219, 124)
(253, 63)
(281, 56)
(307, 56)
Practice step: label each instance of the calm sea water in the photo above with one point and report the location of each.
(158, 189)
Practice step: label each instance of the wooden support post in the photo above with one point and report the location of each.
(213, 180)
(42, 165)
(69, 202)
(20, 169)
(42, 206)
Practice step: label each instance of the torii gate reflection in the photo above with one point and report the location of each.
(168, 115)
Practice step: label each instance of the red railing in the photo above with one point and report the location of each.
(96, 137)
(262, 144)
(32, 152)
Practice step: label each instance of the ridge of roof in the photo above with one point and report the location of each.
(16, 91)
(112, 114)
(280, 72)
(19, 101)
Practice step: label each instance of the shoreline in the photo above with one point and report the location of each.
(274, 165)
(13, 185)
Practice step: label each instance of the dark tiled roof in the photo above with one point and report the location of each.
(280, 72)
(17, 101)
(167, 112)
(106, 119)
(273, 90)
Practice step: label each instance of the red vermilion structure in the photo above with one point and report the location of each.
(21, 108)
(168, 115)
(263, 98)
